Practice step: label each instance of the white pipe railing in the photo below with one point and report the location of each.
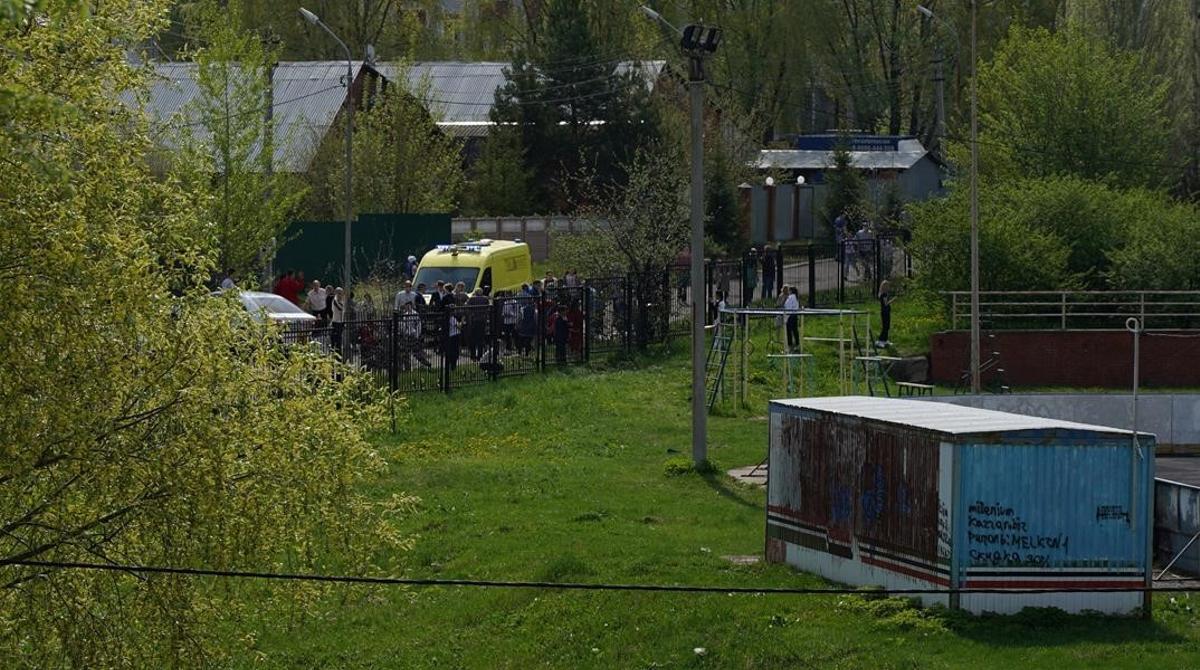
(1079, 310)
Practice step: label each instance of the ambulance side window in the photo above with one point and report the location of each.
(486, 282)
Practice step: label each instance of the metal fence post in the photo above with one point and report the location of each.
(587, 321)
(779, 268)
(541, 333)
(841, 272)
(709, 267)
(494, 338)
(628, 316)
(812, 276)
(879, 264)
(393, 373)
(444, 340)
(1064, 310)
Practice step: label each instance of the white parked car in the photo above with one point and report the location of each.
(263, 306)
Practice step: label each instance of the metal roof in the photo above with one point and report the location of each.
(906, 155)
(942, 417)
(307, 98)
(461, 94)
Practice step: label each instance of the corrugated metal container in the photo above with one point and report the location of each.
(918, 495)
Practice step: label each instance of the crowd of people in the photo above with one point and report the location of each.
(466, 318)
(327, 304)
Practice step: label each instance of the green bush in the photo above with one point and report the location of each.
(1058, 233)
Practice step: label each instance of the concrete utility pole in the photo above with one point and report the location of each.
(975, 374)
(346, 274)
(939, 97)
(697, 42)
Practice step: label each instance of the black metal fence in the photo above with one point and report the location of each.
(442, 349)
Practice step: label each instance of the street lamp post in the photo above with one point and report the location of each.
(975, 375)
(697, 43)
(347, 254)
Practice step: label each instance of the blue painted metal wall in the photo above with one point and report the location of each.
(1058, 505)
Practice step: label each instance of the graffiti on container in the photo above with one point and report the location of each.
(874, 497)
(996, 534)
(1112, 513)
(943, 531)
(841, 507)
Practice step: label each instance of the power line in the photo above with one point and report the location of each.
(570, 586)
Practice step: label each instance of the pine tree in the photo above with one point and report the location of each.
(500, 182)
(576, 109)
(847, 188)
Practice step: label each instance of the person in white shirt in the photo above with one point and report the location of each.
(792, 304)
(510, 312)
(411, 330)
(452, 341)
(405, 297)
(316, 300)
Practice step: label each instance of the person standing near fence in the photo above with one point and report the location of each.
(315, 301)
(768, 272)
(749, 277)
(420, 301)
(561, 327)
(405, 296)
(338, 316)
(527, 323)
(792, 304)
(410, 338)
(510, 312)
(885, 314)
(477, 322)
(452, 339)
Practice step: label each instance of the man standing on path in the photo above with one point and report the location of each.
(768, 272)
(749, 277)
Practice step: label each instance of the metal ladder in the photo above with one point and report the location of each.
(718, 355)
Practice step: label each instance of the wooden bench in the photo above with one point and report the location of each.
(914, 389)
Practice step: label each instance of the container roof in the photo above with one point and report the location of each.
(942, 417)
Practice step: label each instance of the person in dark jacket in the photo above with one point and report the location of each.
(768, 272)
(477, 321)
(562, 332)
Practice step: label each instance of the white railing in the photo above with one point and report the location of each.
(1077, 310)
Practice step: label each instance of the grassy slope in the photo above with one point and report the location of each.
(564, 477)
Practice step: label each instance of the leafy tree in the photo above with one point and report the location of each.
(1018, 253)
(500, 182)
(252, 204)
(1087, 234)
(640, 226)
(403, 163)
(145, 422)
(1067, 103)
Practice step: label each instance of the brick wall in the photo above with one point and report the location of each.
(1083, 358)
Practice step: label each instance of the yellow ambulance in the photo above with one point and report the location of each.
(493, 265)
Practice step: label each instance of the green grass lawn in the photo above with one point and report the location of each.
(571, 476)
